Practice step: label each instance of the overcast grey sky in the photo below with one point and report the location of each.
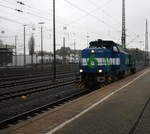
(98, 18)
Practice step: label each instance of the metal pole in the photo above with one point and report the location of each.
(146, 43)
(5, 57)
(74, 50)
(64, 51)
(64, 46)
(36, 59)
(41, 23)
(42, 46)
(123, 38)
(15, 50)
(24, 45)
(49, 58)
(54, 43)
(87, 40)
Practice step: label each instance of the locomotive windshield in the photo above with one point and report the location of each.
(102, 44)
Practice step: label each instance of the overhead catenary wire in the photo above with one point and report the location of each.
(87, 14)
(29, 13)
(47, 19)
(90, 14)
(94, 4)
(39, 11)
(11, 20)
(9, 2)
(21, 11)
(24, 4)
(113, 19)
(17, 22)
(117, 21)
(6, 7)
(36, 10)
(101, 8)
(14, 21)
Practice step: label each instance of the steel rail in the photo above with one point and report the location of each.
(29, 80)
(22, 76)
(28, 91)
(49, 105)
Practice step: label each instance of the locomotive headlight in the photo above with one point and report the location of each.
(92, 51)
(100, 70)
(81, 70)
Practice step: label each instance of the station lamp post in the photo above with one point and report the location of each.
(64, 46)
(54, 43)
(3, 56)
(74, 43)
(146, 44)
(24, 35)
(15, 50)
(41, 23)
(87, 39)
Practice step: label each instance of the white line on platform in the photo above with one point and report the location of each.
(92, 106)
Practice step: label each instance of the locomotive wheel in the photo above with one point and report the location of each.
(109, 79)
(102, 85)
(133, 70)
(121, 75)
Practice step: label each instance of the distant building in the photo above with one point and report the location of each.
(6, 54)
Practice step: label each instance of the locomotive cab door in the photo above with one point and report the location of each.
(116, 57)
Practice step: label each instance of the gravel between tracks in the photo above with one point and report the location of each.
(8, 109)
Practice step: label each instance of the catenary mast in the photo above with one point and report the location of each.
(123, 38)
(146, 44)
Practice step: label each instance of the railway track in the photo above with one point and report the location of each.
(30, 75)
(39, 99)
(62, 96)
(27, 70)
(32, 79)
(31, 86)
(35, 88)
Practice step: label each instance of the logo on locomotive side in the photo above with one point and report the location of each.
(92, 62)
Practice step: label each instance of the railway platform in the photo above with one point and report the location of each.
(122, 107)
(125, 111)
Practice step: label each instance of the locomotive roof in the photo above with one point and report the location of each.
(102, 43)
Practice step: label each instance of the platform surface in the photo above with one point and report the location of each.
(125, 112)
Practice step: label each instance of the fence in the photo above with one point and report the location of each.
(17, 64)
(18, 60)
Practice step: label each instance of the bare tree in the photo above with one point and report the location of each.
(31, 45)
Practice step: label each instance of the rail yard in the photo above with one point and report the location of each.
(42, 103)
(74, 67)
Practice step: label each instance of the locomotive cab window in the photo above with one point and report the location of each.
(115, 49)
